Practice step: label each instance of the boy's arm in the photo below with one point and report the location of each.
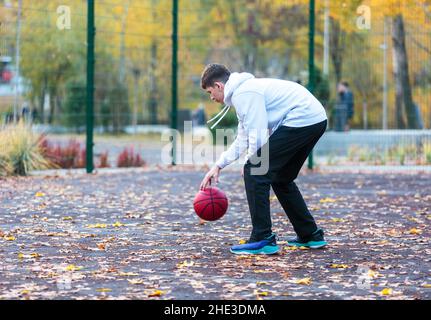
(255, 121)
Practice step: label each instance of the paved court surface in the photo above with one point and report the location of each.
(133, 234)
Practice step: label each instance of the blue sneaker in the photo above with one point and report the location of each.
(265, 246)
(314, 241)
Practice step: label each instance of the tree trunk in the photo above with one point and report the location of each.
(403, 93)
(51, 107)
(153, 84)
(337, 44)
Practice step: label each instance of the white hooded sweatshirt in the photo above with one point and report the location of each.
(262, 105)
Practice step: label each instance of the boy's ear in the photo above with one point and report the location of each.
(219, 84)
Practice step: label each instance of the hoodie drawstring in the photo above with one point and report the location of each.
(222, 113)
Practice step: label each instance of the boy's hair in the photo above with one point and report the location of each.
(214, 72)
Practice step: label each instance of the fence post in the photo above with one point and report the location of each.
(174, 75)
(311, 69)
(91, 32)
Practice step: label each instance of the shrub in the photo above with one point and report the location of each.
(69, 156)
(103, 161)
(427, 152)
(128, 158)
(21, 150)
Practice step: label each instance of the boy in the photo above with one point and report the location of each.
(294, 120)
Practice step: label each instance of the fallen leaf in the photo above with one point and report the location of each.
(39, 194)
(242, 241)
(415, 231)
(327, 200)
(97, 225)
(10, 238)
(103, 290)
(339, 266)
(386, 292)
(185, 264)
(261, 293)
(156, 293)
(72, 267)
(304, 281)
(101, 246)
(67, 218)
(118, 224)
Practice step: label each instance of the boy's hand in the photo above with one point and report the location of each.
(213, 173)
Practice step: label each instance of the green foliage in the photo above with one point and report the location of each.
(322, 90)
(75, 105)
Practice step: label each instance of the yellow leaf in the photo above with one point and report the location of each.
(72, 267)
(97, 225)
(185, 264)
(415, 231)
(242, 241)
(426, 285)
(118, 224)
(67, 218)
(156, 293)
(10, 238)
(261, 283)
(20, 256)
(101, 246)
(261, 293)
(39, 194)
(386, 292)
(327, 200)
(103, 290)
(35, 255)
(337, 220)
(339, 266)
(304, 281)
(25, 291)
(303, 248)
(373, 274)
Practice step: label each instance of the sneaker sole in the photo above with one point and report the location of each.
(310, 244)
(265, 250)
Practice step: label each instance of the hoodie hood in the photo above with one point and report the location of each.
(235, 80)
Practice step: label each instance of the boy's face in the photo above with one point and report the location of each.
(216, 92)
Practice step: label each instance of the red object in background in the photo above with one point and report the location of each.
(6, 76)
(210, 204)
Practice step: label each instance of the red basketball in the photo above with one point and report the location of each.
(210, 204)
